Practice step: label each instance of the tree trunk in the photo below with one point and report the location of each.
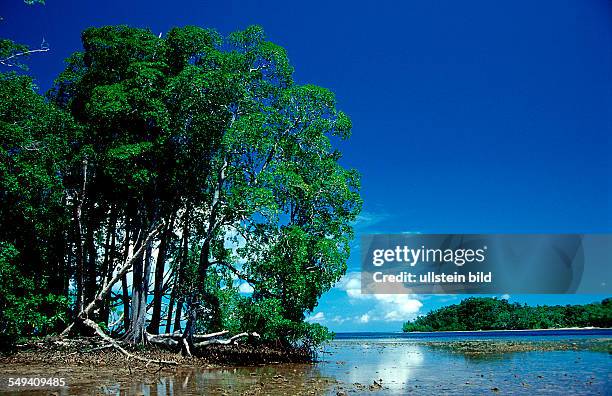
(125, 298)
(136, 333)
(159, 278)
(109, 260)
(171, 305)
(78, 237)
(108, 286)
(124, 284)
(69, 262)
(200, 294)
(57, 263)
(181, 270)
(178, 315)
(58, 260)
(91, 258)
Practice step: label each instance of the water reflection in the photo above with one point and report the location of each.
(412, 367)
(395, 364)
(353, 366)
(275, 379)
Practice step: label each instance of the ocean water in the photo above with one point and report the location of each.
(552, 334)
(405, 364)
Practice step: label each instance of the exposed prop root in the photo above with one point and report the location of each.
(67, 330)
(115, 323)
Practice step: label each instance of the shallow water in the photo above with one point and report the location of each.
(399, 363)
(408, 367)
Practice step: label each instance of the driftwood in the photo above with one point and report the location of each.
(172, 340)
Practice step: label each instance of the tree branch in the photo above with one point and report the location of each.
(5, 61)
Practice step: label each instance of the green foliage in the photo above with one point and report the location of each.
(24, 310)
(492, 314)
(33, 154)
(206, 130)
(268, 319)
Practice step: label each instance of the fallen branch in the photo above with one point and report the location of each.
(162, 341)
(178, 336)
(108, 286)
(90, 323)
(231, 340)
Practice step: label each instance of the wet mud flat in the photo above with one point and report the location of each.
(344, 367)
(491, 347)
(278, 379)
(88, 366)
(95, 353)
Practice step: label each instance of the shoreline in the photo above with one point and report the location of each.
(94, 352)
(510, 330)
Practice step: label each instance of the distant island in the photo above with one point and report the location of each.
(485, 313)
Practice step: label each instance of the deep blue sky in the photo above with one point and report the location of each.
(472, 116)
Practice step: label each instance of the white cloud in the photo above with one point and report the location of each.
(505, 297)
(367, 219)
(318, 317)
(387, 307)
(351, 284)
(398, 307)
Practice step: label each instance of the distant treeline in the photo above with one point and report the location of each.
(477, 313)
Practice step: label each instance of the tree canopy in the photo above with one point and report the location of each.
(181, 166)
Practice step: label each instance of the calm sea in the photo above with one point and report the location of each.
(404, 363)
(495, 334)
